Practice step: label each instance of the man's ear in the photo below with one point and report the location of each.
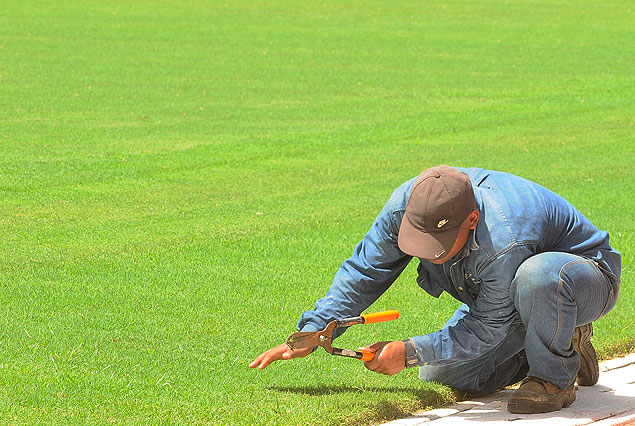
(473, 218)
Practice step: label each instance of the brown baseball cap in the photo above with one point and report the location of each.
(440, 200)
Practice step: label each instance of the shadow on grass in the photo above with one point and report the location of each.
(382, 410)
(421, 393)
(617, 349)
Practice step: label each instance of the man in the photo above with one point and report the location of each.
(532, 272)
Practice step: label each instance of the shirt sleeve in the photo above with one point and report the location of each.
(375, 264)
(483, 327)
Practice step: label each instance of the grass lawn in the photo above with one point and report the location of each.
(179, 180)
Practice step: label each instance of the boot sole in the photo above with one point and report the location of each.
(535, 407)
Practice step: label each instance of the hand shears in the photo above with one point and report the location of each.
(309, 339)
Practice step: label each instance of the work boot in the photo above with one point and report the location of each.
(539, 396)
(589, 371)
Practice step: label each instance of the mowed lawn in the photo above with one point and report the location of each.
(179, 181)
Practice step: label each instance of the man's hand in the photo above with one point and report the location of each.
(282, 352)
(390, 357)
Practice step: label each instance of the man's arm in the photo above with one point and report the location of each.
(375, 264)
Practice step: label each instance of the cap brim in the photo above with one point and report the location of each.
(425, 245)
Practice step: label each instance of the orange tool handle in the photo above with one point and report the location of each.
(367, 356)
(380, 316)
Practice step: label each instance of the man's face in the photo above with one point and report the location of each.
(464, 233)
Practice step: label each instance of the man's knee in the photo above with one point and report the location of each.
(480, 376)
(465, 377)
(536, 276)
(455, 376)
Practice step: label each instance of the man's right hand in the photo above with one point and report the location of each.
(282, 352)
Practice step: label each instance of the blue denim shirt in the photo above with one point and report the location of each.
(518, 219)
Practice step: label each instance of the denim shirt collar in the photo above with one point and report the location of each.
(469, 247)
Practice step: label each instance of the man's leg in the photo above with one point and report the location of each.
(498, 368)
(555, 292)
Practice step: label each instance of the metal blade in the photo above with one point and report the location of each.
(304, 339)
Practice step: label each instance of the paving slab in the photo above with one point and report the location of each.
(610, 402)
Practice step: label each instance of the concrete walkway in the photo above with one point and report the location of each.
(610, 402)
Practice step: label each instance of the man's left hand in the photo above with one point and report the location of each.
(390, 357)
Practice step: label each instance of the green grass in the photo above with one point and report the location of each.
(180, 180)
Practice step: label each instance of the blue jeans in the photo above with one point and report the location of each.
(554, 293)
